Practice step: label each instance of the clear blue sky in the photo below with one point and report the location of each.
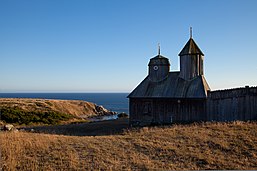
(105, 45)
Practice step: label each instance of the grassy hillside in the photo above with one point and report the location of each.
(195, 146)
(34, 111)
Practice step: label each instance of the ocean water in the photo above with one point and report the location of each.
(116, 102)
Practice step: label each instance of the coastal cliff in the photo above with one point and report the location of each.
(75, 108)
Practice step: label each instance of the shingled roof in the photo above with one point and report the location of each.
(172, 87)
(161, 60)
(190, 48)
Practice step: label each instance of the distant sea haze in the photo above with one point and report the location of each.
(116, 102)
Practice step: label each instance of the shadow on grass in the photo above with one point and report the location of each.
(100, 128)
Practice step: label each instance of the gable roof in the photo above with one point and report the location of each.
(171, 87)
(190, 48)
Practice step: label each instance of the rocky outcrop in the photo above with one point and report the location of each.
(123, 115)
(76, 108)
(8, 127)
(102, 111)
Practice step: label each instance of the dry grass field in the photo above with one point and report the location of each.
(175, 147)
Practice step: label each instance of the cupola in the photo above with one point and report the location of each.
(159, 67)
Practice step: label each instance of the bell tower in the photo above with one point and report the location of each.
(191, 60)
(159, 67)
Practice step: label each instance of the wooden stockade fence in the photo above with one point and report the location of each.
(232, 104)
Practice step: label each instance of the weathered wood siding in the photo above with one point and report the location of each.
(224, 105)
(159, 68)
(165, 111)
(233, 104)
(191, 66)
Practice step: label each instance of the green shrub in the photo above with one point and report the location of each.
(18, 116)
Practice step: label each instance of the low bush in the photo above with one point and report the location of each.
(18, 116)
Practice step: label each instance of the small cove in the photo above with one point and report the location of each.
(103, 118)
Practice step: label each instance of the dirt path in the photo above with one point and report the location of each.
(109, 127)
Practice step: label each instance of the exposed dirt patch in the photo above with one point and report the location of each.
(109, 127)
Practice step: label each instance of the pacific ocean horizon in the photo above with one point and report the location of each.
(116, 102)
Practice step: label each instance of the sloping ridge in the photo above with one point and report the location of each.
(77, 108)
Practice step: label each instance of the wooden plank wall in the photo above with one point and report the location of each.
(222, 105)
(166, 111)
(233, 104)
